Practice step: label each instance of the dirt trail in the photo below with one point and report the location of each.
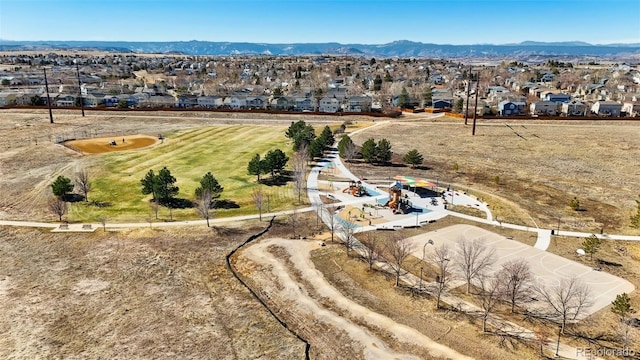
(295, 293)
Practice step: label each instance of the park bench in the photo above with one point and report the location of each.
(64, 227)
(86, 227)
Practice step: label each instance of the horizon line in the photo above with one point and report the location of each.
(568, 42)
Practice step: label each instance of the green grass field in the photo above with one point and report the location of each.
(189, 154)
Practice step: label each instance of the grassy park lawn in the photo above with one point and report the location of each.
(189, 154)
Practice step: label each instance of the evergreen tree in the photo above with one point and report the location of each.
(343, 144)
(166, 188)
(210, 186)
(369, 150)
(591, 245)
(403, 99)
(256, 166)
(316, 148)
(300, 133)
(635, 219)
(383, 151)
(621, 306)
(150, 185)
(326, 137)
(457, 107)
(413, 158)
(275, 161)
(61, 187)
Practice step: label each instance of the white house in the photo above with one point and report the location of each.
(606, 108)
(7, 98)
(573, 108)
(631, 108)
(209, 102)
(544, 108)
(238, 102)
(359, 104)
(329, 104)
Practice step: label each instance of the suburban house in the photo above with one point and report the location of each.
(329, 104)
(305, 104)
(238, 102)
(557, 98)
(544, 108)
(508, 108)
(111, 100)
(359, 104)
(573, 108)
(7, 98)
(66, 100)
(606, 108)
(497, 92)
(255, 102)
(441, 99)
(631, 108)
(209, 102)
(186, 101)
(26, 98)
(90, 100)
(281, 103)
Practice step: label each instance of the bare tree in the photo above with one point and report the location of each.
(332, 220)
(516, 275)
(58, 207)
(293, 221)
(300, 160)
(348, 230)
(103, 221)
(371, 248)
(490, 294)
(155, 206)
(397, 249)
(203, 204)
(566, 300)
(258, 198)
(83, 183)
(350, 151)
(441, 259)
(473, 258)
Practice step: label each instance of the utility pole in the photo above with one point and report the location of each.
(79, 87)
(46, 86)
(466, 110)
(475, 108)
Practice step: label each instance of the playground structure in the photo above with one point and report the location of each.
(397, 203)
(356, 189)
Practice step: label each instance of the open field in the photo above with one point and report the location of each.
(140, 294)
(31, 159)
(188, 154)
(533, 176)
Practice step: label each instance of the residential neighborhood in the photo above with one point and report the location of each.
(326, 84)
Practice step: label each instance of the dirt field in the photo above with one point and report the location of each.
(104, 145)
(533, 169)
(131, 295)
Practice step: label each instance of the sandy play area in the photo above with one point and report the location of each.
(110, 144)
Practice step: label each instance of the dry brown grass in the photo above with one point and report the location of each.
(138, 294)
(376, 291)
(540, 172)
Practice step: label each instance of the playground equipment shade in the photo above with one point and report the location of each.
(414, 181)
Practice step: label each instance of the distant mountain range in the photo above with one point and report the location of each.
(402, 48)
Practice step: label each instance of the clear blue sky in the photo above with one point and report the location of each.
(344, 21)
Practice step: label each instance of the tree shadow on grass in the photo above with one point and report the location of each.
(225, 204)
(177, 203)
(73, 198)
(276, 181)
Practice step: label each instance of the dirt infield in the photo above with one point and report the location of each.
(110, 144)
